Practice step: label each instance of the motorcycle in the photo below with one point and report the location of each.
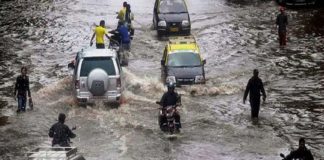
(167, 120)
(122, 49)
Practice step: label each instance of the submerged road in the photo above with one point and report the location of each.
(234, 36)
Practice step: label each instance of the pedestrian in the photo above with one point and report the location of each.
(61, 133)
(254, 88)
(301, 153)
(122, 13)
(99, 32)
(129, 17)
(22, 89)
(282, 22)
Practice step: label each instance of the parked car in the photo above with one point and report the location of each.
(296, 2)
(182, 63)
(97, 76)
(171, 16)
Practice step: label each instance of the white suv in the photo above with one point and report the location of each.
(97, 76)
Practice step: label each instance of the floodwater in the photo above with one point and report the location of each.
(234, 36)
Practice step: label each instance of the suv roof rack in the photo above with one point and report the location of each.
(93, 52)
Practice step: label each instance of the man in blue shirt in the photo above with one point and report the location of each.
(124, 36)
(121, 35)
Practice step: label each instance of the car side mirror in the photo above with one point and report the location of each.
(162, 62)
(204, 61)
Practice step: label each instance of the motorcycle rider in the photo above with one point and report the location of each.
(121, 35)
(170, 98)
(61, 133)
(301, 153)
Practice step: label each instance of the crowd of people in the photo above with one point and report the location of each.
(123, 33)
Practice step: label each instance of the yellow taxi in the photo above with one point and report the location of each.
(181, 62)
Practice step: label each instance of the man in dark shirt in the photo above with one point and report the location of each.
(61, 133)
(170, 98)
(282, 22)
(22, 89)
(254, 87)
(301, 153)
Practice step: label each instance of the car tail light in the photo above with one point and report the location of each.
(118, 82)
(77, 84)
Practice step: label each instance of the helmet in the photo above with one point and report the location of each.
(171, 85)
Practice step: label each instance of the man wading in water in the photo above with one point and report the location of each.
(254, 87)
(21, 90)
(282, 22)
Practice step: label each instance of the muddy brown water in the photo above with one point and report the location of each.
(234, 36)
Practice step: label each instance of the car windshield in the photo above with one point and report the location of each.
(172, 6)
(105, 63)
(184, 59)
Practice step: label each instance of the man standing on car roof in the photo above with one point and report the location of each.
(282, 22)
(99, 32)
(254, 87)
(22, 89)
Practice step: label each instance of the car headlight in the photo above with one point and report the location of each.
(170, 79)
(185, 23)
(199, 79)
(162, 24)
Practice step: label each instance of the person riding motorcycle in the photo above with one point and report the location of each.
(170, 98)
(61, 133)
(121, 35)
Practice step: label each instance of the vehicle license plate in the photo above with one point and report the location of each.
(98, 97)
(174, 29)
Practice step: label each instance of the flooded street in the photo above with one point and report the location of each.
(234, 36)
